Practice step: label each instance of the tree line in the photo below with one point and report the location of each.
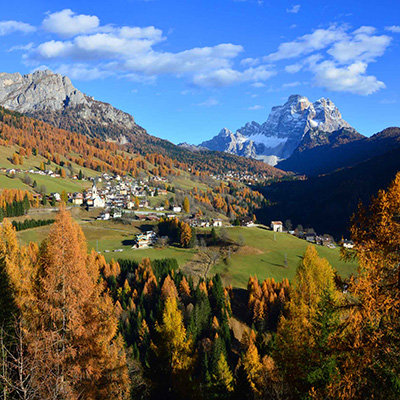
(31, 223)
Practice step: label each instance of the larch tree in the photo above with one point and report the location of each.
(370, 346)
(172, 349)
(186, 205)
(299, 349)
(74, 325)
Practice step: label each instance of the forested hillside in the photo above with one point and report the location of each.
(75, 326)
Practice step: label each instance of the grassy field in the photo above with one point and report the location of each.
(12, 183)
(260, 255)
(265, 257)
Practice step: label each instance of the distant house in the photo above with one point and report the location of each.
(144, 240)
(246, 221)
(56, 196)
(104, 216)
(77, 198)
(348, 244)
(311, 237)
(217, 222)
(277, 226)
(177, 209)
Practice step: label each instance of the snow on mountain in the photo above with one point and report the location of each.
(280, 135)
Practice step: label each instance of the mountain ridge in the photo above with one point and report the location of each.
(282, 132)
(52, 98)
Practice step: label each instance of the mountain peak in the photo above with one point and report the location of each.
(287, 124)
(53, 98)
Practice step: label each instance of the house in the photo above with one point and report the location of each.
(56, 196)
(277, 226)
(162, 192)
(104, 216)
(144, 240)
(77, 198)
(217, 222)
(348, 244)
(117, 214)
(311, 237)
(326, 240)
(246, 221)
(177, 209)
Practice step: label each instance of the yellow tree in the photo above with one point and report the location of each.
(173, 349)
(304, 334)
(186, 205)
(74, 325)
(185, 234)
(370, 347)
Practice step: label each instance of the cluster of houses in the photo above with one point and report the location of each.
(47, 172)
(241, 177)
(312, 237)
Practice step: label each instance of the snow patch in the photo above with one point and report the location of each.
(267, 141)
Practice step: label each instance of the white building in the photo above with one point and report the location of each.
(97, 200)
(277, 226)
(177, 209)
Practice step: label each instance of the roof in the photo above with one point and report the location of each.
(277, 222)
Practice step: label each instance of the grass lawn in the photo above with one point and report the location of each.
(106, 235)
(12, 183)
(261, 255)
(265, 257)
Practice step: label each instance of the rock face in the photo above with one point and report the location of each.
(53, 98)
(281, 134)
(234, 143)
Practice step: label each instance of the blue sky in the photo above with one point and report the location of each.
(186, 69)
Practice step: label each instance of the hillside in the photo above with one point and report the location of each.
(326, 203)
(53, 99)
(321, 153)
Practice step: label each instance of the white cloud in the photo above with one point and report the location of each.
(351, 78)
(258, 84)
(227, 77)
(22, 47)
(83, 72)
(250, 62)
(337, 57)
(294, 9)
(256, 107)
(211, 102)
(306, 44)
(66, 23)
(293, 68)
(388, 101)
(362, 46)
(393, 28)
(8, 27)
(291, 84)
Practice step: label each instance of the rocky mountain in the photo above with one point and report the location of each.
(234, 143)
(322, 153)
(278, 137)
(52, 98)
